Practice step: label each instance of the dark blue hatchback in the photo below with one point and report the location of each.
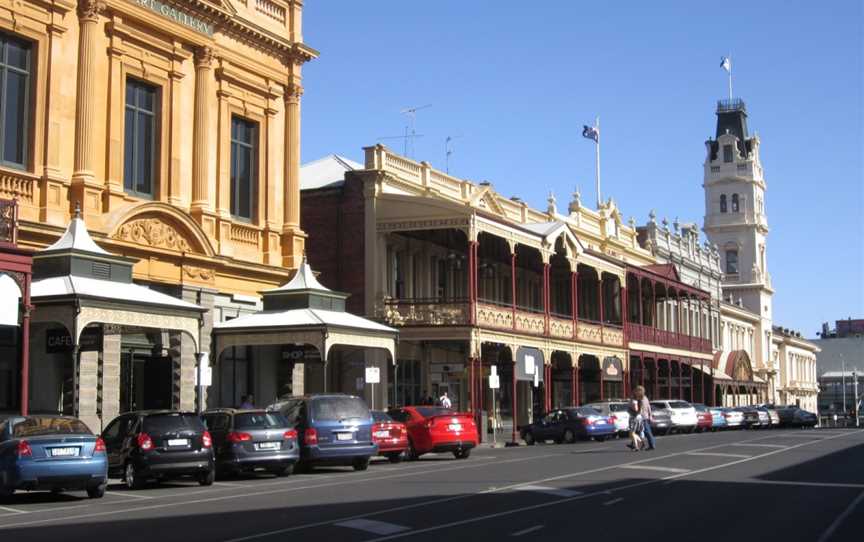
(333, 429)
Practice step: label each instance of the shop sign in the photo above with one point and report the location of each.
(58, 340)
(494, 382)
(176, 15)
(613, 369)
(373, 375)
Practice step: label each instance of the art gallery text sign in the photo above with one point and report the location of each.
(175, 14)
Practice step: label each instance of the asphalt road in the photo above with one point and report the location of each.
(785, 485)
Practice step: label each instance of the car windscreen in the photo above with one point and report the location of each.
(32, 427)
(428, 412)
(339, 408)
(586, 411)
(659, 406)
(380, 417)
(617, 407)
(259, 420)
(679, 404)
(172, 422)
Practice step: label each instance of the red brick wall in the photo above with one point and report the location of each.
(333, 218)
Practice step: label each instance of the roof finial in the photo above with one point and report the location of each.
(77, 209)
(551, 208)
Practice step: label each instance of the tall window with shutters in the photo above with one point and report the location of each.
(244, 168)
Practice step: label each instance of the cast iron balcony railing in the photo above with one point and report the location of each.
(660, 337)
(8, 221)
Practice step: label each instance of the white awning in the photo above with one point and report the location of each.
(10, 294)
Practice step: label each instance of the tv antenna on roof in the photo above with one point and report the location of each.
(404, 138)
(410, 132)
(448, 150)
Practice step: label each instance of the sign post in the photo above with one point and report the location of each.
(494, 384)
(373, 376)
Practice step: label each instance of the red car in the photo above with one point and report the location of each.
(704, 419)
(390, 436)
(437, 429)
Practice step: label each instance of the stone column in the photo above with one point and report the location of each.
(88, 386)
(85, 104)
(183, 350)
(293, 238)
(201, 120)
(109, 378)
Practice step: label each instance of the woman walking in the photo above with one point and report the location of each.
(637, 440)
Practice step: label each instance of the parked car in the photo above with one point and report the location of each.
(334, 429)
(764, 417)
(718, 419)
(567, 424)
(390, 436)
(704, 418)
(437, 429)
(661, 422)
(751, 417)
(53, 453)
(249, 440)
(617, 410)
(682, 413)
(734, 417)
(774, 416)
(159, 444)
(793, 416)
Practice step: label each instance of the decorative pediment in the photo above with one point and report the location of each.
(486, 199)
(159, 225)
(738, 366)
(153, 232)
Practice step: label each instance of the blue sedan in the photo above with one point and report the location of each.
(567, 424)
(53, 453)
(718, 420)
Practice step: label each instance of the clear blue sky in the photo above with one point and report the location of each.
(516, 80)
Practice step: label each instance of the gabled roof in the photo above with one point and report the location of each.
(76, 237)
(667, 270)
(327, 171)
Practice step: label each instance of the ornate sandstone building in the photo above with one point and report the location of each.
(175, 125)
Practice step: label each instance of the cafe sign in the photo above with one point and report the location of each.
(58, 340)
(176, 15)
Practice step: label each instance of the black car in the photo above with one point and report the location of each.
(568, 424)
(793, 416)
(248, 440)
(159, 444)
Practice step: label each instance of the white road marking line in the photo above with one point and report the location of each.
(528, 530)
(227, 484)
(13, 510)
(760, 445)
(653, 467)
(372, 526)
(829, 532)
(796, 435)
(803, 484)
(342, 482)
(461, 497)
(557, 491)
(587, 495)
(132, 495)
(613, 501)
(719, 454)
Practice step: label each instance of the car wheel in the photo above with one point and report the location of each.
(361, 463)
(395, 457)
(601, 438)
(462, 454)
(411, 453)
(284, 470)
(6, 492)
(133, 479)
(529, 438)
(207, 478)
(569, 436)
(97, 492)
(302, 467)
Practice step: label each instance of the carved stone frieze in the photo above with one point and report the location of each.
(154, 233)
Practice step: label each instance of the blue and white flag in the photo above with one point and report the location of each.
(591, 132)
(726, 63)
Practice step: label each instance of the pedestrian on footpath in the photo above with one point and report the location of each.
(445, 401)
(247, 402)
(647, 417)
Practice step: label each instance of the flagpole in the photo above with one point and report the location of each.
(597, 160)
(730, 77)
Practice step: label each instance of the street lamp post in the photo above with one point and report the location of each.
(855, 390)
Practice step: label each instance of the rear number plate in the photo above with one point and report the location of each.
(267, 445)
(455, 427)
(178, 442)
(382, 434)
(343, 436)
(65, 452)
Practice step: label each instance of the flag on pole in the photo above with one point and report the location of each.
(726, 63)
(591, 132)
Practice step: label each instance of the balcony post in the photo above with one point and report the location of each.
(602, 299)
(656, 377)
(639, 293)
(472, 388)
(547, 385)
(574, 301)
(573, 377)
(680, 379)
(547, 298)
(624, 322)
(472, 281)
(669, 378)
(513, 290)
(513, 401)
(25, 346)
(642, 371)
(654, 311)
(602, 380)
(576, 382)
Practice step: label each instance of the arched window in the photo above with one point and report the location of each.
(722, 203)
(734, 203)
(732, 262)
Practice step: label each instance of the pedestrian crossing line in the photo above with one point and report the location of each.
(747, 445)
(15, 510)
(719, 454)
(793, 435)
(528, 530)
(556, 491)
(130, 495)
(654, 467)
(613, 501)
(373, 526)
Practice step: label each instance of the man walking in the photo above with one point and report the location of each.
(647, 417)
